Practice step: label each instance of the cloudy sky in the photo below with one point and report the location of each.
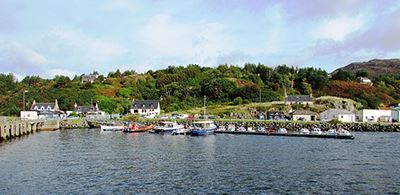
(50, 37)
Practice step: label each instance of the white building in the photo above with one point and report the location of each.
(29, 115)
(145, 107)
(304, 115)
(395, 114)
(365, 81)
(371, 115)
(338, 114)
(299, 99)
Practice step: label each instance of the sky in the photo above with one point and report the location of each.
(58, 37)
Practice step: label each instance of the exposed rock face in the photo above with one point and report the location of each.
(68, 124)
(375, 67)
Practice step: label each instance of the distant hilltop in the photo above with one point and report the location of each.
(374, 67)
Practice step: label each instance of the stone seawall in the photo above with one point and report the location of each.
(293, 126)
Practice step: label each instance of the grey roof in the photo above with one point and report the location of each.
(304, 112)
(145, 104)
(275, 113)
(299, 98)
(86, 109)
(45, 106)
(336, 111)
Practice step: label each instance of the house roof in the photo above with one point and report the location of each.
(44, 105)
(145, 104)
(86, 109)
(304, 112)
(299, 98)
(336, 111)
(275, 113)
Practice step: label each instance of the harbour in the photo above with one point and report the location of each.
(88, 161)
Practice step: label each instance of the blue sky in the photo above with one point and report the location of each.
(54, 37)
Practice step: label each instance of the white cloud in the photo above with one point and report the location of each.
(189, 42)
(20, 59)
(338, 28)
(73, 44)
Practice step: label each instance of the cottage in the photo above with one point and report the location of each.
(338, 114)
(371, 115)
(299, 99)
(365, 81)
(304, 115)
(88, 110)
(276, 115)
(46, 110)
(145, 107)
(89, 78)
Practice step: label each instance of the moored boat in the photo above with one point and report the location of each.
(316, 131)
(112, 127)
(282, 131)
(168, 127)
(134, 128)
(203, 128)
(304, 131)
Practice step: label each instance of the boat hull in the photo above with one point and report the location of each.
(112, 128)
(202, 132)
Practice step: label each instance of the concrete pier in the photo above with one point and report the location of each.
(18, 128)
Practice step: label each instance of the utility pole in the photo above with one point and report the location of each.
(23, 97)
(260, 94)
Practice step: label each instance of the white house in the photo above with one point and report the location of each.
(371, 115)
(304, 115)
(338, 114)
(29, 115)
(145, 107)
(46, 110)
(365, 81)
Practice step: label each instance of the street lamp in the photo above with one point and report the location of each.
(23, 97)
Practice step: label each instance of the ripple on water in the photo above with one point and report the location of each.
(93, 162)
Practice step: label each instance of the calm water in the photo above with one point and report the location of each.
(93, 162)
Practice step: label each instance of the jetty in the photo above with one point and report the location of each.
(330, 136)
(10, 129)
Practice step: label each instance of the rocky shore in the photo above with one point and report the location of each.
(74, 124)
(292, 126)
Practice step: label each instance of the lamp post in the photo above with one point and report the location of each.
(23, 97)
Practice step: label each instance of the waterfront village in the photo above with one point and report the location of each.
(252, 99)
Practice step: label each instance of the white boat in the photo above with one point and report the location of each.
(168, 127)
(304, 131)
(231, 128)
(221, 128)
(203, 128)
(316, 131)
(260, 129)
(343, 132)
(112, 127)
(183, 131)
(241, 129)
(331, 132)
(282, 131)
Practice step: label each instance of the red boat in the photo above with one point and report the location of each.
(134, 128)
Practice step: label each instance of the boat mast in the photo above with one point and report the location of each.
(204, 107)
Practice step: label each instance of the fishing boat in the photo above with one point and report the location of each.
(135, 128)
(168, 127)
(282, 131)
(183, 131)
(316, 131)
(304, 131)
(203, 128)
(112, 127)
